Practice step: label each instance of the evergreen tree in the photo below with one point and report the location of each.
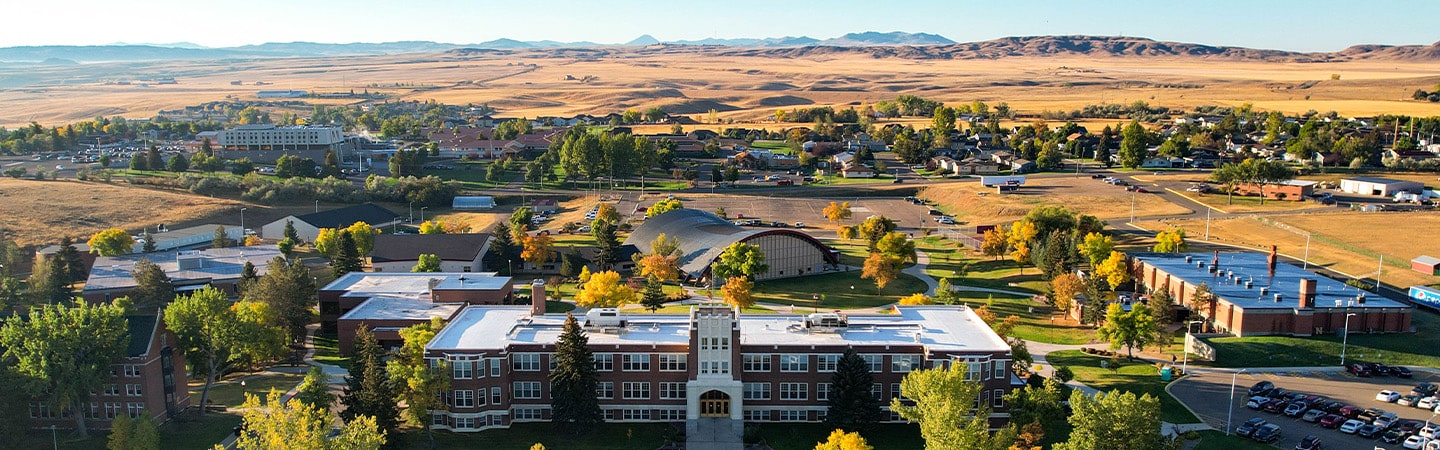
(502, 249)
(570, 263)
(369, 390)
(75, 269)
(573, 381)
(851, 404)
(177, 163)
(654, 295)
(289, 290)
(153, 160)
(607, 246)
(149, 245)
(247, 275)
(48, 282)
(152, 286)
(290, 233)
(348, 259)
(221, 239)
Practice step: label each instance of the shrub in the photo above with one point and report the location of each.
(1064, 374)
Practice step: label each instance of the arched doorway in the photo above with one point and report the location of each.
(714, 404)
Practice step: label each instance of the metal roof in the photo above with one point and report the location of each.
(1253, 267)
(702, 235)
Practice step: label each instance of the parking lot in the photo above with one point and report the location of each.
(1207, 395)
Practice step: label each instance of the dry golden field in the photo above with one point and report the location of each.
(40, 212)
(740, 87)
(1350, 242)
(1084, 195)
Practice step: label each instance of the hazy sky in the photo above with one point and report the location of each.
(1307, 25)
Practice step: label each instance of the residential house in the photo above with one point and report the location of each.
(308, 226)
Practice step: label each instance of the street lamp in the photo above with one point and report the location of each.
(422, 213)
(1231, 412)
(1345, 338)
(816, 298)
(317, 206)
(242, 220)
(1132, 206)
(412, 212)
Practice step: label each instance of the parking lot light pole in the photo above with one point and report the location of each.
(1231, 412)
(422, 213)
(1345, 338)
(412, 212)
(242, 220)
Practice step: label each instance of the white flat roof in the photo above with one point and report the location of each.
(948, 328)
(411, 283)
(386, 307)
(220, 264)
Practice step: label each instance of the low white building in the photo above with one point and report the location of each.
(1379, 186)
(308, 226)
(458, 253)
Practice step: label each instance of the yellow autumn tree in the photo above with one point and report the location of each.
(1063, 290)
(605, 290)
(662, 267)
(881, 269)
(837, 212)
(327, 242)
(432, 227)
(1170, 241)
(918, 298)
(840, 440)
(1022, 233)
(538, 249)
(737, 292)
(1114, 270)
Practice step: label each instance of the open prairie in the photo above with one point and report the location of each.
(738, 85)
(974, 204)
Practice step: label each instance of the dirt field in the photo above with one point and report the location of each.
(1082, 194)
(738, 87)
(40, 212)
(1350, 242)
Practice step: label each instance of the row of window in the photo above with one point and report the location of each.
(827, 362)
(605, 362)
(801, 391)
(113, 390)
(106, 411)
(976, 369)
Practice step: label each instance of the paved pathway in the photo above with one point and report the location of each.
(917, 270)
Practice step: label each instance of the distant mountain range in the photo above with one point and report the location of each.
(893, 44)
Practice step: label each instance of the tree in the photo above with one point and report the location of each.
(437, 227)
(607, 212)
(837, 212)
(240, 166)
(314, 389)
(427, 262)
(573, 381)
(369, 389)
(286, 247)
(881, 268)
(48, 282)
(138, 163)
(417, 380)
(945, 292)
(607, 245)
(840, 440)
(272, 424)
(1037, 404)
(66, 352)
(604, 290)
(918, 298)
(664, 206)
(111, 242)
(995, 243)
(221, 239)
(290, 232)
(851, 403)
(327, 241)
(152, 286)
(740, 260)
(653, 297)
(945, 406)
(1114, 420)
(1128, 329)
(149, 245)
(177, 163)
(1133, 143)
(520, 220)
(737, 292)
(1170, 241)
(894, 244)
(122, 431)
(848, 232)
(874, 228)
(1063, 289)
(364, 236)
(215, 335)
(1114, 270)
(1253, 171)
(347, 258)
(571, 263)
(1021, 237)
(537, 249)
(1096, 247)
(288, 290)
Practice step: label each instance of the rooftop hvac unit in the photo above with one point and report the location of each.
(1278, 297)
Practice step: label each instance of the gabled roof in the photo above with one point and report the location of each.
(409, 247)
(370, 213)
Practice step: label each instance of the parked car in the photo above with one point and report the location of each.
(1313, 415)
(1387, 396)
(1427, 402)
(1267, 433)
(1351, 426)
(1392, 437)
(1386, 421)
(1248, 428)
(1097, 176)
(1415, 442)
(1332, 407)
(1257, 402)
(1359, 370)
(1349, 412)
(1370, 414)
(1309, 442)
(1401, 371)
(1332, 421)
(1428, 431)
(1296, 409)
(1408, 400)
(1274, 393)
(1380, 369)
(1369, 431)
(1410, 426)
(1276, 406)
(1424, 389)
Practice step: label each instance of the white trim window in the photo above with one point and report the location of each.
(464, 398)
(822, 391)
(134, 390)
(904, 363)
(604, 362)
(672, 390)
(495, 367)
(605, 389)
(756, 363)
(525, 362)
(529, 390)
(998, 398)
(528, 414)
(635, 362)
(495, 396)
(132, 371)
(876, 362)
(794, 363)
(674, 362)
(876, 391)
(793, 416)
(462, 369)
(635, 414)
(757, 391)
(999, 368)
(636, 390)
(826, 363)
(794, 391)
(757, 415)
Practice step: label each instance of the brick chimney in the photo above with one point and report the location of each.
(537, 297)
(1274, 257)
(1307, 293)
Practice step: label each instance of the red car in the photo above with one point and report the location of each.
(1350, 411)
(1332, 421)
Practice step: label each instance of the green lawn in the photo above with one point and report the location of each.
(1217, 440)
(230, 393)
(185, 432)
(614, 436)
(836, 291)
(327, 351)
(1137, 377)
(685, 309)
(1411, 349)
(554, 307)
(799, 436)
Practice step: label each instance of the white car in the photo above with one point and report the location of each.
(1387, 396)
(1428, 432)
(1351, 426)
(1427, 403)
(1257, 402)
(1415, 442)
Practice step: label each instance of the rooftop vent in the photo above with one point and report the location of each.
(1264, 290)
(604, 318)
(826, 322)
(1278, 297)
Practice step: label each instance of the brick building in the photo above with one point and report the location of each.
(1254, 294)
(402, 298)
(150, 380)
(712, 369)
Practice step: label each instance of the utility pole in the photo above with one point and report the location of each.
(1207, 222)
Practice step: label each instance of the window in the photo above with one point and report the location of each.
(495, 397)
(757, 415)
(999, 369)
(636, 390)
(438, 419)
(605, 362)
(794, 363)
(672, 414)
(792, 416)
(826, 363)
(672, 391)
(822, 391)
(714, 366)
(135, 409)
(794, 391)
(605, 389)
(673, 363)
(635, 362)
(495, 367)
(551, 357)
(464, 398)
(972, 370)
(894, 390)
(527, 414)
(464, 422)
(635, 414)
(757, 391)
(462, 370)
(133, 390)
(112, 390)
(756, 363)
(998, 398)
(527, 389)
(132, 371)
(904, 363)
(876, 391)
(526, 362)
(112, 409)
(715, 343)
(876, 362)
